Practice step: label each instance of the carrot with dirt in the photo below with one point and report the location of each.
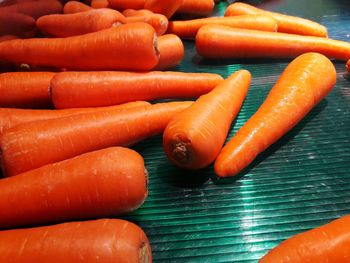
(126, 47)
(32, 145)
(217, 41)
(95, 241)
(327, 243)
(95, 89)
(12, 117)
(72, 7)
(286, 23)
(79, 23)
(296, 92)
(189, 28)
(171, 51)
(108, 182)
(157, 21)
(194, 137)
(167, 8)
(198, 8)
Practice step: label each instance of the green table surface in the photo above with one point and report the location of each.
(301, 182)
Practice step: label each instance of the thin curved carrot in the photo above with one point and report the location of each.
(95, 89)
(108, 182)
(79, 23)
(286, 24)
(216, 41)
(140, 12)
(32, 145)
(16, 24)
(72, 7)
(189, 28)
(296, 92)
(327, 243)
(157, 21)
(171, 51)
(194, 137)
(197, 8)
(98, 241)
(348, 65)
(126, 47)
(10, 118)
(167, 8)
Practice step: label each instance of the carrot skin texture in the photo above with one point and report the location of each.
(348, 65)
(194, 137)
(125, 47)
(171, 50)
(216, 41)
(189, 28)
(328, 243)
(286, 24)
(167, 8)
(72, 7)
(10, 117)
(157, 21)
(79, 23)
(112, 88)
(196, 7)
(74, 135)
(296, 92)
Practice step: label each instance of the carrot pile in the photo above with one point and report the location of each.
(64, 130)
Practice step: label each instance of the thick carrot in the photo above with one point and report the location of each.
(167, 8)
(94, 89)
(194, 137)
(189, 28)
(72, 7)
(286, 24)
(196, 7)
(79, 23)
(216, 41)
(97, 241)
(296, 92)
(102, 183)
(25, 89)
(31, 145)
(157, 21)
(328, 243)
(12, 117)
(140, 12)
(126, 47)
(171, 50)
(348, 65)
(16, 24)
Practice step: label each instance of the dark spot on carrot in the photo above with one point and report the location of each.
(180, 152)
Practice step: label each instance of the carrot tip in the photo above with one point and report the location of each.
(180, 153)
(143, 253)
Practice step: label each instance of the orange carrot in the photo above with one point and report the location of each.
(100, 3)
(296, 92)
(140, 12)
(79, 23)
(189, 28)
(32, 145)
(98, 241)
(171, 50)
(194, 137)
(328, 243)
(102, 183)
(348, 65)
(167, 8)
(157, 21)
(16, 24)
(216, 41)
(7, 37)
(126, 47)
(196, 7)
(286, 24)
(119, 4)
(94, 89)
(25, 89)
(12, 117)
(72, 7)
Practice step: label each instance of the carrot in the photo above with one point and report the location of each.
(94, 89)
(103, 183)
(12, 117)
(99, 4)
(189, 28)
(140, 12)
(167, 8)
(72, 7)
(125, 47)
(119, 4)
(31, 145)
(16, 24)
(286, 24)
(296, 92)
(79, 23)
(348, 65)
(196, 7)
(328, 243)
(98, 241)
(194, 137)
(216, 41)
(157, 21)
(7, 37)
(171, 50)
